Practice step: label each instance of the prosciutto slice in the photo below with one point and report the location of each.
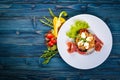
(98, 43)
(72, 47)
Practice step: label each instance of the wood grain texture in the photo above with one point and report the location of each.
(22, 40)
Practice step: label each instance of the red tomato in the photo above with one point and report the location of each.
(50, 43)
(47, 39)
(49, 35)
(53, 40)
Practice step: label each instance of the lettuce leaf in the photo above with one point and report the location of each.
(72, 33)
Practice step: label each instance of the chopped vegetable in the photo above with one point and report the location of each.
(50, 44)
(50, 39)
(53, 40)
(56, 22)
(54, 47)
(51, 36)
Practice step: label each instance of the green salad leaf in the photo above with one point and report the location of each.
(79, 24)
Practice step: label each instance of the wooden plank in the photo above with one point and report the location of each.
(58, 74)
(31, 63)
(56, 64)
(15, 11)
(28, 1)
(21, 25)
(68, 1)
(105, 9)
(38, 9)
(59, 1)
(100, 1)
(21, 51)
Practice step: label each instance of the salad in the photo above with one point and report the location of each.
(82, 40)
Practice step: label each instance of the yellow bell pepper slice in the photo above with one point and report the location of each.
(57, 22)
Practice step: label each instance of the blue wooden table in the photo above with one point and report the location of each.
(22, 39)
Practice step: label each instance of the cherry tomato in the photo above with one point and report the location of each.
(49, 35)
(47, 39)
(54, 41)
(50, 43)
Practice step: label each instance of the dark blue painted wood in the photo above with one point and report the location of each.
(22, 39)
(59, 1)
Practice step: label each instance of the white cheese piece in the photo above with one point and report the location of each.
(86, 45)
(80, 43)
(89, 38)
(83, 35)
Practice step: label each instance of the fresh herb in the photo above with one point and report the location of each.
(46, 23)
(47, 55)
(51, 12)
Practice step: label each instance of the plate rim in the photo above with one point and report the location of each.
(109, 50)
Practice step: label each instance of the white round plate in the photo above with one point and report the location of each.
(94, 59)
